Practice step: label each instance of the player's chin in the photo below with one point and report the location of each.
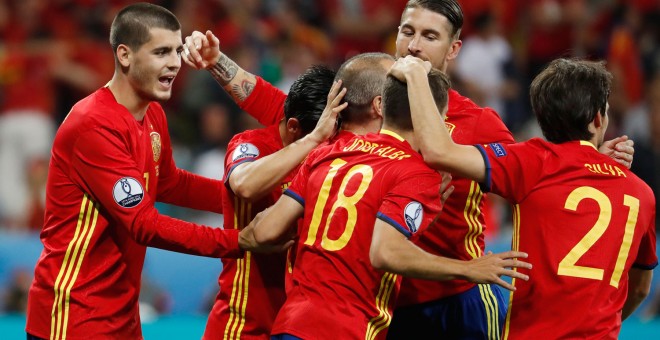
(161, 94)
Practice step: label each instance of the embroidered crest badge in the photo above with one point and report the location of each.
(155, 145)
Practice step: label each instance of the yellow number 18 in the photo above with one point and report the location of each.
(342, 201)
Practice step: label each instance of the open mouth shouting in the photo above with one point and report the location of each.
(167, 80)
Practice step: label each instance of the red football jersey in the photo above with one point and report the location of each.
(341, 138)
(584, 220)
(460, 230)
(251, 288)
(336, 291)
(107, 170)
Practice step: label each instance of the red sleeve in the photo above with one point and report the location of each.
(646, 255)
(189, 190)
(245, 147)
(102, 167)
(511, 169)
(182, 188)
(491, 129)
(266, 103)
(412, 204)
(297, 188)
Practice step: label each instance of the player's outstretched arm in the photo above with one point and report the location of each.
(431, 135)
(247, 240)
(639, 287)
(621, 149)
(253, 180)
(202, 51)
(273, 225)
(392, 251)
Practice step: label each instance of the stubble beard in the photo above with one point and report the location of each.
(146, 86)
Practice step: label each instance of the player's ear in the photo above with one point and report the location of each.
(454, 49)
(598, 120)
(377, 105)
(293, 126)
(124, 55)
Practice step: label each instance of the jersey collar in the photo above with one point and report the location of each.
(588, 143)
(391, 133)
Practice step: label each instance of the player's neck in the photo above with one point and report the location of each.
(408, 135)
(126, 96)
(361, 129)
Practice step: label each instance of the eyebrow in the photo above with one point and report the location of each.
(424, 31)
(162, 49)
(167, 49)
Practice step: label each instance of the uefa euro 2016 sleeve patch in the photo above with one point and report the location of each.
(245, 150)
(128, 192)
(413, 214)
(498, 149)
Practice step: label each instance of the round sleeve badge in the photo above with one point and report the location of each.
(413, 214)
(245, 150)
(128, 192)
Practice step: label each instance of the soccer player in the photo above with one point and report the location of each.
(262, 100)
(258, 167)
(430, 30)
(111, 160)
(361, 202)
(587, 222)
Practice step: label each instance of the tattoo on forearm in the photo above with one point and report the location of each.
(224, 70)
(242, 91)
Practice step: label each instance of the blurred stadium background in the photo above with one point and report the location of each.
(55, 52)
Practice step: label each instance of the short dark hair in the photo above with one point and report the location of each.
(363, 77)
(132, 24)
(450, 9)
(308, 96)
(396, 104)
(567, 95)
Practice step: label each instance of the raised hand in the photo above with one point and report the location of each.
(408, 65)
(327, 124)
(488, 268)
(621, 149)
(201, 50)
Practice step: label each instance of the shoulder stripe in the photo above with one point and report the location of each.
(515, 245)
(68, 273)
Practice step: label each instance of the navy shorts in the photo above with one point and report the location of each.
(477, 313)
(284, 337)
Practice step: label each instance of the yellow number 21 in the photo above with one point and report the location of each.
(568, 266)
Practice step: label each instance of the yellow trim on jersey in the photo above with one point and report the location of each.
(492, 312)
(471, 215)
(241, 283)
(246, 285)
(588, 143)
(515, 245)
(68, 273)
(391, 133)
(382, 321)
